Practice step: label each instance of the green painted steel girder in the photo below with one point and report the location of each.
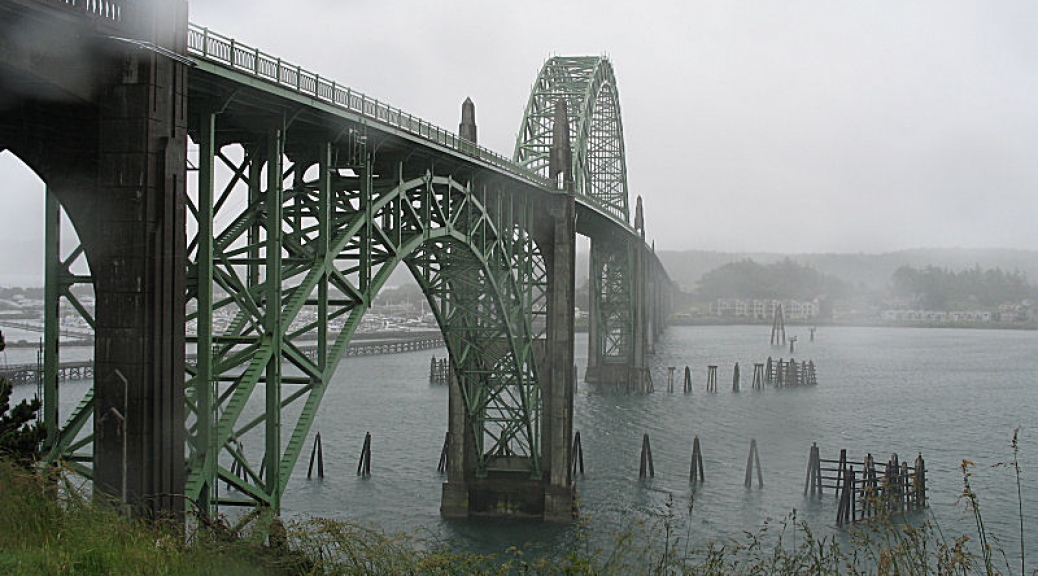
(588, 86)
(288, 258)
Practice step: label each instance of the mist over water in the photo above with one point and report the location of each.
(950, 394)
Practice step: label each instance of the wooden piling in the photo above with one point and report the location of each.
(870, 486)
(318, 452)
(711, 378)
(578, 455)
(670, 379)
(688, 380)
(841, 469)
(444, 464)
(695, 470)
(758, 376)
(735, 378)
(813, 481)
(845, 510)
(919, 483)
(646, 459)
(364, 465)
(778, 328)
(753, 461)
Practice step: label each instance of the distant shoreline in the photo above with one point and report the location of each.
(713, 321)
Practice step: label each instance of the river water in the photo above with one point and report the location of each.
(950, 394)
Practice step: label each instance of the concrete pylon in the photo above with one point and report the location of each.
(467, 128)
(137, 253)
(560, 160)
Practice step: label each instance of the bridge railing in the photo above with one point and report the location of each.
(104, 9)
(204, 43)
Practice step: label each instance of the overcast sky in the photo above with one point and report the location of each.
(792, 126)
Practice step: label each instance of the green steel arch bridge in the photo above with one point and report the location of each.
(235, 207)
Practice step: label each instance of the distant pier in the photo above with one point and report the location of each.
(19, 374)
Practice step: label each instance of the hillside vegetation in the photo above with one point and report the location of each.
(868, 271)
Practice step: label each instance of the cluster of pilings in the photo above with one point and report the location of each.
(778, 373)
(873, 489)
(783, 373)
(19, 374)
(439, 371)
(647, 469)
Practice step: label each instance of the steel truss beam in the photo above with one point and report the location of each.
(66, 441)
(285, 261)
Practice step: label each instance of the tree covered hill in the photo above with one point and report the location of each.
(869, 271)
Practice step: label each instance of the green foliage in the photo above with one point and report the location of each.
(20, 432)
(781, 280)
(942, 289)
(44, 530)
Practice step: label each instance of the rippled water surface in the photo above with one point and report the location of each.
(950, 394)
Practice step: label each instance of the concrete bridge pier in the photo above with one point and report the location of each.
(137, 253)
(548, 493)
(102, 121)
(629, 303)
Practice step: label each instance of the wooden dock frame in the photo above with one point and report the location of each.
(873, 490)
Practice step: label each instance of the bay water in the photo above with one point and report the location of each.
(950, 394)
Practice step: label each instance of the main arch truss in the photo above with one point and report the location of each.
(599, 171)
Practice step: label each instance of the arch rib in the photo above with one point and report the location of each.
(588, 86)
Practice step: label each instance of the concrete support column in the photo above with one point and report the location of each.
(639, 306)
(557, 389)
(138, 255)
(454, 501)
(594, 353)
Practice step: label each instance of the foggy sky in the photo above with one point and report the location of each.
(794, 126)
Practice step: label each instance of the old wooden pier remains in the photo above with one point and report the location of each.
(779, 373)
(867, 489)
(84, 370)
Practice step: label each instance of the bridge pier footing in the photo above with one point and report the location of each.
(504, 495)
(524, 486)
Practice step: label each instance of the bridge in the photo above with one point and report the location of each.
(235, 206)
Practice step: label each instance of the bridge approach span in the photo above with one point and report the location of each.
(278, 225)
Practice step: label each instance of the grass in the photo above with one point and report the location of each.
(41, 533)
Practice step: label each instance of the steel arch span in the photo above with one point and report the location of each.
(285, 258)
(587, 87)
(293, 269)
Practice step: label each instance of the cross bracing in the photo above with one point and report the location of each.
(304, 196)
(298, 261)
